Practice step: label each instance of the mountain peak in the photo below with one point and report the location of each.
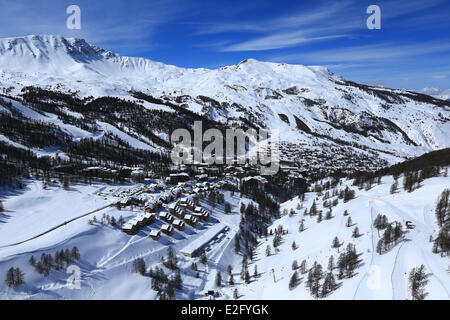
(45, 47)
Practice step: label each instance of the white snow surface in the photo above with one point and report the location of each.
(107, 253)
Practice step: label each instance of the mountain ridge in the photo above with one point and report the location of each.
(310, 106)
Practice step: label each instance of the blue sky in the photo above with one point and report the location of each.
(412, 49)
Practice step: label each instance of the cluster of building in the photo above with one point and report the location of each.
(181, 208)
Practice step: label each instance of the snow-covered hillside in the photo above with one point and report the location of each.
(310, 106)
(107, 253)
(378, 276)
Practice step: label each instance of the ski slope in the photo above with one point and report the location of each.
(379, 276)
(107, 254)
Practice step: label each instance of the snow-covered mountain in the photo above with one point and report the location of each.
(437, 93)
(309, 105)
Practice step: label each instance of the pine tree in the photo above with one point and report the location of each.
(331, 263)
(348, 194)
(293, 281)
(172, 260)
(218, 279)
(294, 265)
(177, 281)
(139, 266)
(235, 294)
(1, 207)
(66, 184)
(229, 269)
(10, 279)
(303, 267)
(203, 258)
(294, 246)
(329, 284)
(313, 210)
(14, 277)
(247, 277)
(237, 244)
(394, 187)
(336, 244)
(277, 240)
(301, 228)
(319, 217)
(349, 222)
(170, 291)
(355, 233)
(329, 214)
(268, 253)
(255, 272)
(380, 246)
(75, 254)
(244, 267)
(231, 280)
(417, 278)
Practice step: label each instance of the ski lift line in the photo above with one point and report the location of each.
(58, 226)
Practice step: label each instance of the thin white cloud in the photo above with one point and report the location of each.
(278, 41)
(368, 53)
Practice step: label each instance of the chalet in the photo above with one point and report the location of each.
(135, 201)
(141, 221)
(186, 203)
(165, 198)
(150, 206)
(167, 229)
(148, 218)
(152, 188)
(206, 186)
(129, 228)
(198, 215)
(176, 192)
(201, 213)
(155, 234)
(178, 224)
(191, 220)
(201, 177)
(206, 215)
(197, 190)
(254, 182)
(137, 175)
(175, 210)
(187, 189)
(165, 216)
(177, 177)
(124, 202)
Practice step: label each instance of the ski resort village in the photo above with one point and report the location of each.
(93, 205)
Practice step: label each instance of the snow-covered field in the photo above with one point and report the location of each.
(379, 276)
(107, 253)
